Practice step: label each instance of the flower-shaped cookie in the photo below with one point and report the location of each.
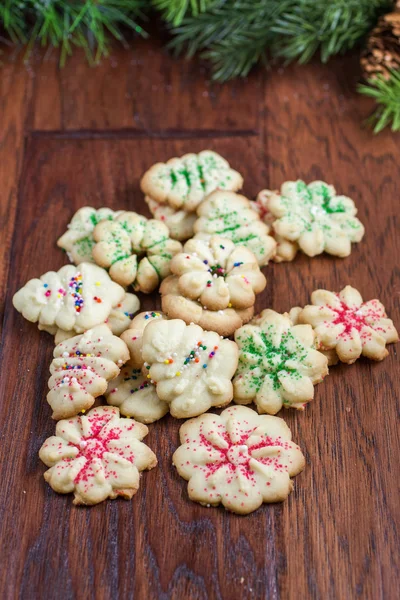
(278, 363)
(316, 218)
(136, 396)
(330, 353)
(179, 222)
(78, 240)
(224, 321)
(118, 320)
(81, 368)
(72, 299)
(184, 182)
(119, 243)
(285, 249)
(345, 323)
(121, 316)
(218, 274)
(232, 216)
(191, 368)
(132, 392)
(238, 458)
(134, 335)
(97, 456)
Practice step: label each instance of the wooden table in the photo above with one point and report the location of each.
(84, 136)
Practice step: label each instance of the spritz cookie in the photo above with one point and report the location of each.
(316, 218)
(179, 222)
(118, 320)
(81, 368)
(330, 353)
(136, 396)
(72, 299)
(232, 216)
(285, 249)
(238, 459)
(97, 456)
(78, 240)
(133, 336)
(136, 250)
(191, 368)
(278, 363)
(131, 391)
(349, 326)
(184, 182)
(224, 321)
(218, 273)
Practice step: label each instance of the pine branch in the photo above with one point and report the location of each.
(386, 94)
(175, 10)
(88, 24)
(234, 34)
(330, 26)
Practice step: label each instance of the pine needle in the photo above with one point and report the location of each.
(89, 24)
(175, 10)
(386, 94)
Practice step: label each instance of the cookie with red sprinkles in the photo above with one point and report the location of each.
(97, 456)
(238, 459)
(346, 324)
(81, 368)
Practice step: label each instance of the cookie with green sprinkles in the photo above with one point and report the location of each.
(137, 251)
(78, 240)
(315, 217)
(278, 363)
(231, 216)
(184, 182)
(191, 368)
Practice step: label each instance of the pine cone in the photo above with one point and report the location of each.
(382, 53)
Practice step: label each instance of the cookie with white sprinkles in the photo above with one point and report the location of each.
(191, 368)
(81, 368)
(97, 456)
(348, 326)
(238, 459)
(278, 363)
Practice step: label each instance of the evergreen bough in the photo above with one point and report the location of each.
(233, 35)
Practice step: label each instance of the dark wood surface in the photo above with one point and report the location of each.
(84, 136)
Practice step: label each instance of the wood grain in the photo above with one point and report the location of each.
(90, 135)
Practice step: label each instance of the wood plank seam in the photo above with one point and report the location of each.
(132, 133)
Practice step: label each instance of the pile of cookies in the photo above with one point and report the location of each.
(180, 360)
